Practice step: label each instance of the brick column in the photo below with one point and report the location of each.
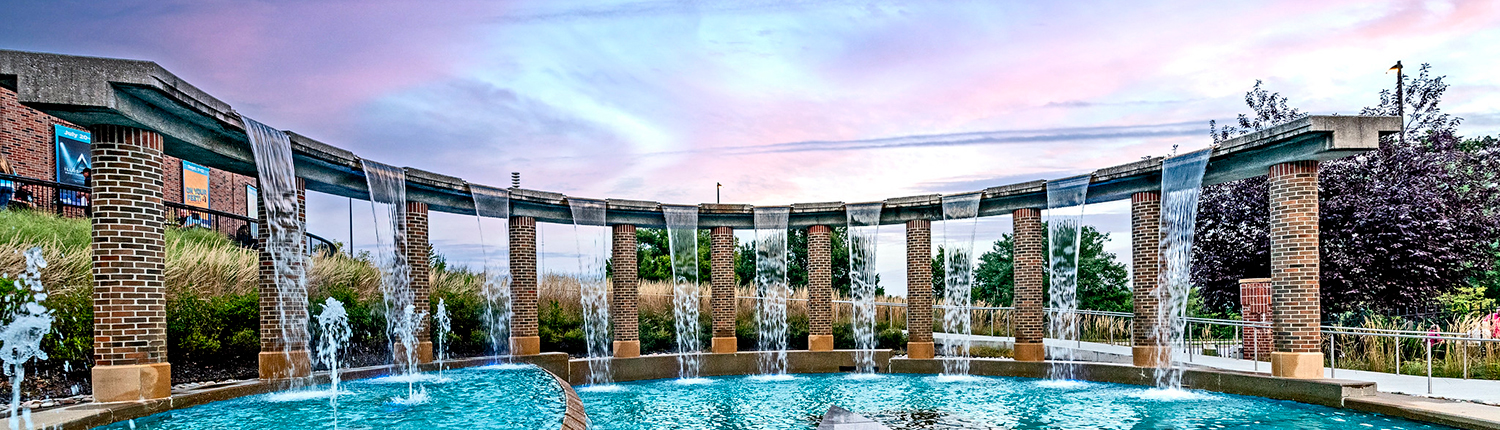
(624, 306)
(722, 295)
(919, 289)
(1029, 271)
(1145, 241)
(280, 357)
(1294, 270)
(524, 338)
(130, 319)
(417, 250)
(1255, 306)
(819, 288)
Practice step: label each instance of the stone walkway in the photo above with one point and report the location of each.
(1476, 390)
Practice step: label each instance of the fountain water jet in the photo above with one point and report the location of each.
(960, 217)
(388, 205)
(1181, 185)
(682, 239)
(444, 325)
(1065, 202)
(27, 322)
(494, 203)
(593, 246)
(333, 322)
(864, 224)
(772, 288)
(284, 237)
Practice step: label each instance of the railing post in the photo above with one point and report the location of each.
(1333, 354)
(1429, 366)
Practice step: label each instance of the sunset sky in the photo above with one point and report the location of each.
(783, 100)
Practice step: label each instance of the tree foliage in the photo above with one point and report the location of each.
(1400, 226)
(1103, 282)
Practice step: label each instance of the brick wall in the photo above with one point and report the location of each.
(1145, 241)
(819, 281)
(919, 280)
(1294, 256)
(722, 298)
(1029, 270)
(417, 249)
(130, 324)
(1255, 306)
(270, 299)
(26, 137)
(523, 276)
(26, 140)
(624, 311)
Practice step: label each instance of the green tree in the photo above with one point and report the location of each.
(654, 255)
(796, 262)
(1103, 283)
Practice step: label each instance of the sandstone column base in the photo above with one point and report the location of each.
(1297, 365)
(1150, 356)
(423, 353)
(627, 348)
(283, 365)
(1030, 352)
(525, 345)
(920, 350)
(725, 345)
(134, 382)
(820, 342)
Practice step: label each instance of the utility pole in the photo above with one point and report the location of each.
(1400, 99)
(718, 186)
(351, 227)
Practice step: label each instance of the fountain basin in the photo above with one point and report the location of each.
(911, 401)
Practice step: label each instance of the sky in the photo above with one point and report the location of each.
(782, 101)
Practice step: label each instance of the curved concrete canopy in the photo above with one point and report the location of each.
(200, 128)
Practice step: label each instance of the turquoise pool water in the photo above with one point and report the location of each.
(483, 398)
(933, 402)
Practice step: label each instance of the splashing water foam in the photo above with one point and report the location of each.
(960, 215)
(682, 240)
(1065, 202)
(772, 288)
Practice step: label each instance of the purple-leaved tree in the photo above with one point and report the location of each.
(1400, 226)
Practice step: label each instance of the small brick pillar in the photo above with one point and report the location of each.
(624, 305)
(130, 319)
(819, 288)
(722, 295)
(279, 357)
(919, 289)
(524, 338)
(1145, 241)
(1255, 306)
(1030, 268)
(1294, 271)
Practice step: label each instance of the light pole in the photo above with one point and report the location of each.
(1400, 102)
(718, 186)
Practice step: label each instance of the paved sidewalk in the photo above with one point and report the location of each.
(1477, 390)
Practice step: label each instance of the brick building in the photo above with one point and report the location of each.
(27, 142)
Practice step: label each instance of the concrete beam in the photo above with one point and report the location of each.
(200, 128)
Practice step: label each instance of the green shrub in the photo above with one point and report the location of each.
(560, 331)
(213, 328)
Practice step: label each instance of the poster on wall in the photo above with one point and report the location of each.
(195, 194)
(72, 154)
(252, 208)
